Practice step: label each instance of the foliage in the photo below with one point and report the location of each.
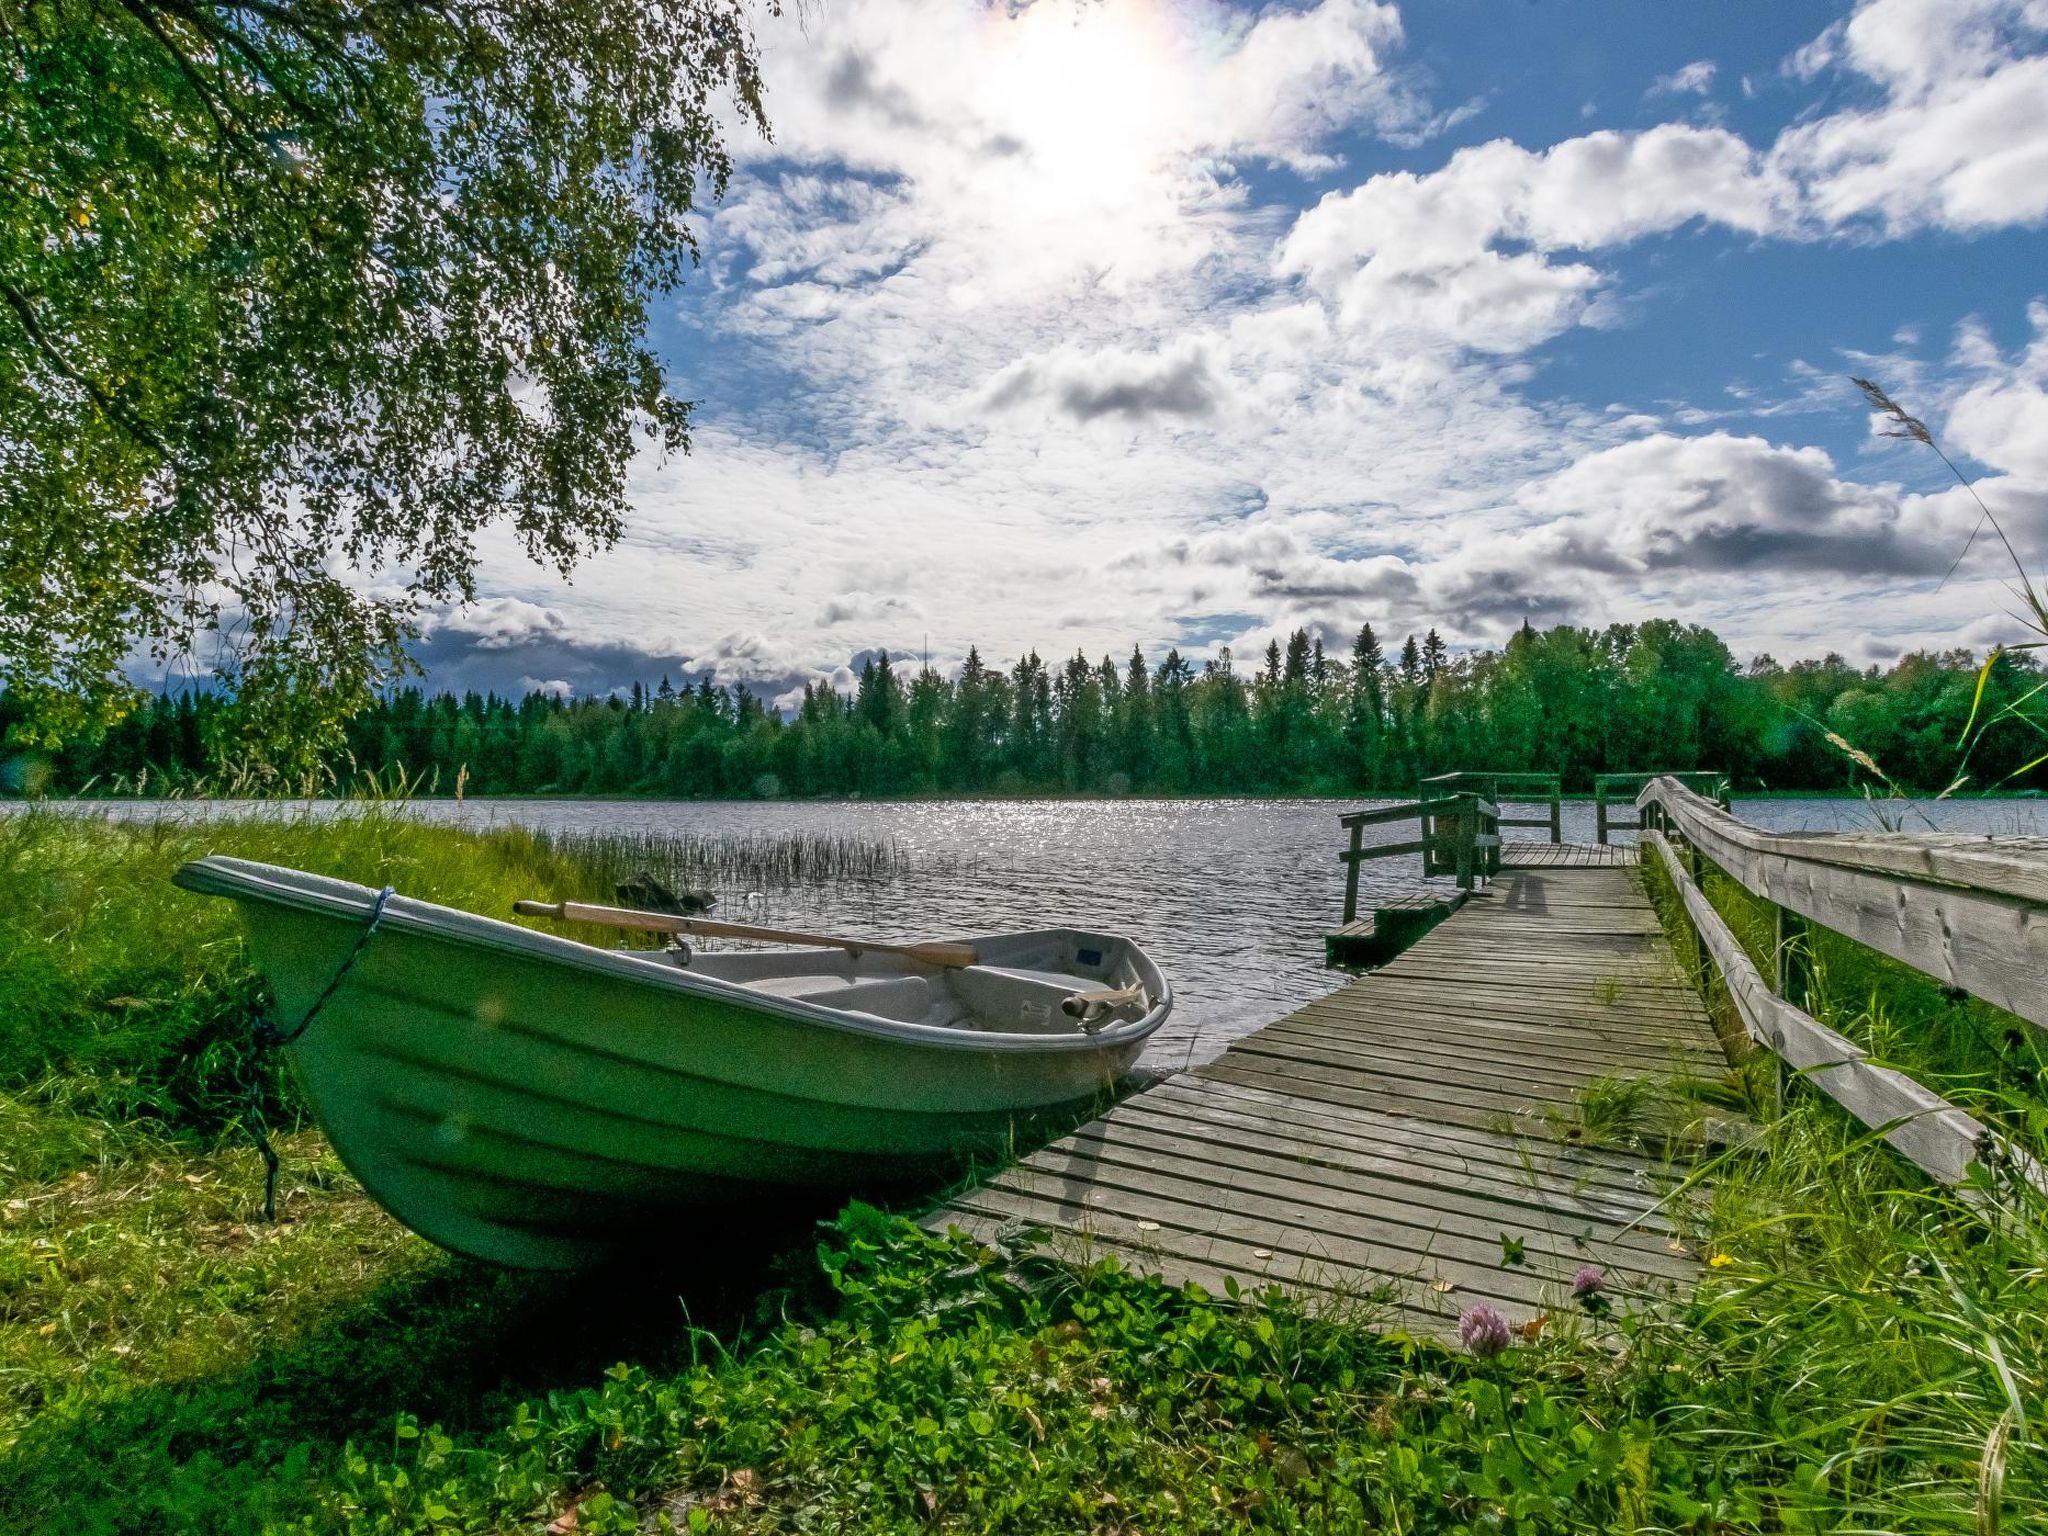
(1633, 697)
(300, 285)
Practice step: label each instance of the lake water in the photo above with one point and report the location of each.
(1231, 897)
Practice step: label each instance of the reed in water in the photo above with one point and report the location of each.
(730, 861)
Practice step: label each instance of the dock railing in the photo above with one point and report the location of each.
(1546, 789)
(1970, 912)
(1458, 834)
(1611, 789)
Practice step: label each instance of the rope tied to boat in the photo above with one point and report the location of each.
(267, 1037)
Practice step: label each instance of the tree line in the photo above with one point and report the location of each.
(1301, 720)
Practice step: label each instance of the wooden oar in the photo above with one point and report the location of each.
(945, 956)
(1086, 1005)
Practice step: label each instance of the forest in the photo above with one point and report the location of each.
(1302, 720)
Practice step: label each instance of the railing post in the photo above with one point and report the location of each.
(1599, 812)
(1351, 874)
(1790, 944)
(1557, 813)
(1468, 831)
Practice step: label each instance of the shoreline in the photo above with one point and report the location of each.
(1574, 797)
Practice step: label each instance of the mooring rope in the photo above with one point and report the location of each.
(266, 1037)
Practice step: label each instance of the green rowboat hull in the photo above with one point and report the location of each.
(536, 1102)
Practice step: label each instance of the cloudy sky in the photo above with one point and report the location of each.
(1054, 325)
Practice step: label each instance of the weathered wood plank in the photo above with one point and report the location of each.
(1969, 911)
(1548, 1181)
(1391, 1194)
(1527, 853)
(1622, 1173)
(1924, 1127)
(1392, 1135)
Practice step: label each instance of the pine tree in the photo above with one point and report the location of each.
(1297, 658)
(1411, 664)
(1365, 716)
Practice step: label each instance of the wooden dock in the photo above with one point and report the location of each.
(1414, 1135)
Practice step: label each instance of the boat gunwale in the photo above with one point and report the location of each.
(279, 885)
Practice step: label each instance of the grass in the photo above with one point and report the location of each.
(1865, 1353)
(735, 862)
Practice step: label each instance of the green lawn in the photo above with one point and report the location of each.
(1869, 1358)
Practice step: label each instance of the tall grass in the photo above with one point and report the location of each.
(125, 999)
(1883, 1336)
(732, 862)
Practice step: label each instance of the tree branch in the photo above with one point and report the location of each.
(24, 310)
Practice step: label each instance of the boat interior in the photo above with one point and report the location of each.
(1023, 985)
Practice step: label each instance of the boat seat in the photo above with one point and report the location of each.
(890, 997)
(794, 986)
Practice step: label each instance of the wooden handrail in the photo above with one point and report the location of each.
(1970, 912)
(1922, 1126)
(1406, 810)
(1604, 785)
(2009, 866)
(1520, 785)
(1470, 849)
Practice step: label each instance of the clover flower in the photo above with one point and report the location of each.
(1484, 1331)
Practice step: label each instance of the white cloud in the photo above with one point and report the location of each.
(2002, 418)
(1960, 138)
(1958, 141)
(497, 623)
(1404, 252)
(556, 686)
(1721, 503)
(864, 608)
(1182, 380)
(1694, 79)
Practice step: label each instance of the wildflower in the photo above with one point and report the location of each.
(1719, 1261)
(1589, 1290)
(1484, 1331)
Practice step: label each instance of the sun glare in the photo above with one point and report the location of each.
(1095, 105)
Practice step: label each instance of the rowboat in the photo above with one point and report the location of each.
(544, 1103)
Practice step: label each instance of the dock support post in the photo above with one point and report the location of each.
(1351, 875)
(1599, 813)
(1556, 814)
(1468, 835)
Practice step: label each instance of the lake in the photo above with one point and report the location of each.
(1231, 897)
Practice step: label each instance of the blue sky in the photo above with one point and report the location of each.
(1061, 326)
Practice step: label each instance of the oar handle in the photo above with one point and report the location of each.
(929, 952)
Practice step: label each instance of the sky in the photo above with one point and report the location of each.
(1064, 326)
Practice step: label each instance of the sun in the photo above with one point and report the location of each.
(1094, 104)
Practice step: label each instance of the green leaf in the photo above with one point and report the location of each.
(1977, 698)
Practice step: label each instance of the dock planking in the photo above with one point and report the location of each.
(1531, 854)
(1395, 1140)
